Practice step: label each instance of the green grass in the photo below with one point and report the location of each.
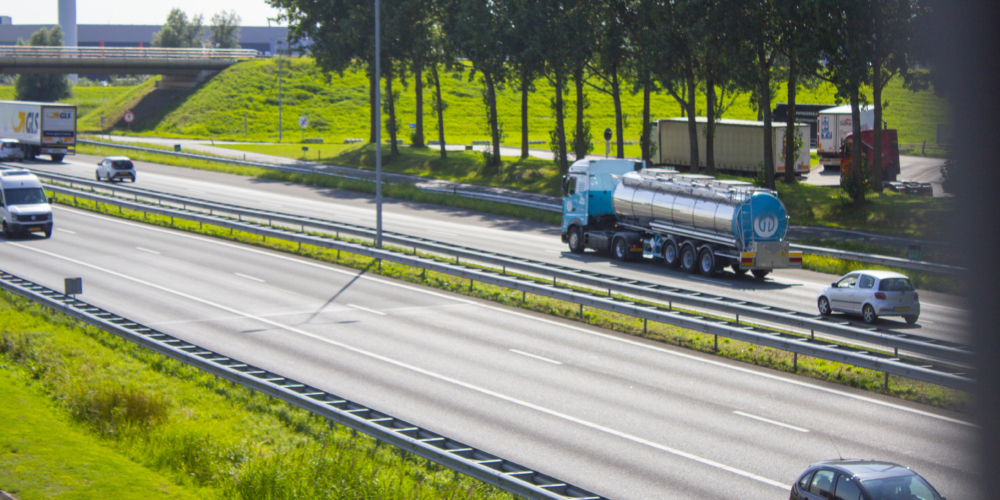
(762, 356)
(87, 99)
(139, 425)
(338, 108)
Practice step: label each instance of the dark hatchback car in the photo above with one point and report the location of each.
(861, 480)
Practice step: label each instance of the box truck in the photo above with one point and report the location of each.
(834, 124)
(739, 145)
(42, 128)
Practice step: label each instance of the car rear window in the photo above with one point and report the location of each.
(122, 165)
(895, 285)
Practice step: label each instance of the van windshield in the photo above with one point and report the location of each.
(24, 196)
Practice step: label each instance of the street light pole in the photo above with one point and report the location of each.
(278, 46)
(378, 135)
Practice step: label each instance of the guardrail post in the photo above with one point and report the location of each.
(885, 385)
(644, 326)
(795, 362)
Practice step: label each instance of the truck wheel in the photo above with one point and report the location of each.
(56, 158)
(736, 269)
(671, 257)
(689, 263)
(706, 262)
(620, 249)
(575, 240)
(760, 273)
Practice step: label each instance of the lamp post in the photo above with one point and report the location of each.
(277, 51)
(378, 134)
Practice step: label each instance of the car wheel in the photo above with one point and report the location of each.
(824, 306)
(706, 262)
(671, 257)
(911, 319)
(760, 273)
(97, 175)
(575, 240)
(868, 314)
(689, 263)
(133, 179)
(6, 231)
(620, 247)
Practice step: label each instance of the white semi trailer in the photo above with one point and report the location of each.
(739, 145)
(834, 124)
(42, 128)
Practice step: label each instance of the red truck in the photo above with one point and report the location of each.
(890, 153)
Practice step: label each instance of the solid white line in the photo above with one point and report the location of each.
(271, 204)
(547, 360)
(431, 374)
(65, 231)
(773, 422)
(605, 336)
(710, 281)
(148, 250)
(943, 307)
(441, 232)
(365, 309)
(250, 277)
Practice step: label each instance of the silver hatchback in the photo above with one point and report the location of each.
(872, 294)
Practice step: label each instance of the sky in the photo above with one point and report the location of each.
(252, 12)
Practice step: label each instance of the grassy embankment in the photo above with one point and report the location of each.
(87, 99)
(88, 415)
(762, 356)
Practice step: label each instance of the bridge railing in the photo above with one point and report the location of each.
(26, 51)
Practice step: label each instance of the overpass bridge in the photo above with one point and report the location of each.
(118, 60)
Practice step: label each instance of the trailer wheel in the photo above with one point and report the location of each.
(706, 262)
(575, 240)
(620, 249)
(689, 263)
(671, 257)
(760, 273)
(736, 269)
(56, 158)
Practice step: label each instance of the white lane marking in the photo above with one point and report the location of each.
(250, 278)
(943, 307)
(555, 252)
(927, 321)
(441, 232)
(773, 422)
(148, 250)
(271, 204)
(365, 309)
(710, 281)
(428, 373)
(605, 336)
(547, 360)
(65, 231)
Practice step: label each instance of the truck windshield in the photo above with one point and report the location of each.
(24, 196)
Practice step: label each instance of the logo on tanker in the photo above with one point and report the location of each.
(765, 224)
(25, 122)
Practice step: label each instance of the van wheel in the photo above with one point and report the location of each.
(706, 262)
(6, 231)
(48, 233)
(689, 263)
(575, 240)
(671, 257)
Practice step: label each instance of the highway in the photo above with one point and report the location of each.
(943, 316)
(623, 417)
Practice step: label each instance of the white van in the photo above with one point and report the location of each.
(23, 204)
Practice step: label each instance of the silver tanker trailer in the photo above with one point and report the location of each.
(694, 222)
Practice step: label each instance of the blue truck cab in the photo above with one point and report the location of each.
(587, 192)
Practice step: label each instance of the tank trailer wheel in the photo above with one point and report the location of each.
(671, 257)
(620, 248)
(736, 269)
(575, 240)
(706, 262)
(689, 263)
(760, 273)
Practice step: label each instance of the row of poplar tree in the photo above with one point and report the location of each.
(717, 47)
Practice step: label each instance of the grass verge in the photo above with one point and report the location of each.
(140, 425)
(763, 356)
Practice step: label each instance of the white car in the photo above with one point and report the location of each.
(115, 167)
(871, 294)
(10, 149)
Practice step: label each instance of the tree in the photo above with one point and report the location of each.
(179, 32)
(557, 50)
(225, 30)
(525, 56)
(613, 51)
(643, 36)
(42, 88)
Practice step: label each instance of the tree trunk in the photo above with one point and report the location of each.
(561, 127)
(645, 140)
(579, 147)
(439, 106)
(692, 114)
(418, 135)
(619, 122)
(857, 150)
(371, 104)
(710, 130)
(391, 109)
(877, 85)
(765, 108)
(525, 85)
(789, 145)
(491, 97)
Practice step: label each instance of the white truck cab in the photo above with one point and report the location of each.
(23, 204)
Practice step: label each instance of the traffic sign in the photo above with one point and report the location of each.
(303, 121)
(607, 134)
(129, 117)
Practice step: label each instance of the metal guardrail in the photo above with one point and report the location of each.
(16, 51)
(455, 455)
(884, 338)
(553, 207)
(889, 364)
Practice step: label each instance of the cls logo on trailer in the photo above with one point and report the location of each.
(25, 122)
(64, 115)
(765, 225)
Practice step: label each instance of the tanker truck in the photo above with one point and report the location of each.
(694, 222)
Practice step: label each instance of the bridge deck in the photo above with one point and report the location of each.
(134, 60)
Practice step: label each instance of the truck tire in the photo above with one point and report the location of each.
(620, 249)
(575, 239)
(736, 269)
(57, 158)
(706, 262)
(671, 255)
(760, 273)
(689, 261)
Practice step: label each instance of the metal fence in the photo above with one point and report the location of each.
(26, 51)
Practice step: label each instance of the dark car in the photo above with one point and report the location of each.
(861, 480)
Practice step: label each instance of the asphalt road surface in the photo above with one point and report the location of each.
(624, 417)
(943, 316)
